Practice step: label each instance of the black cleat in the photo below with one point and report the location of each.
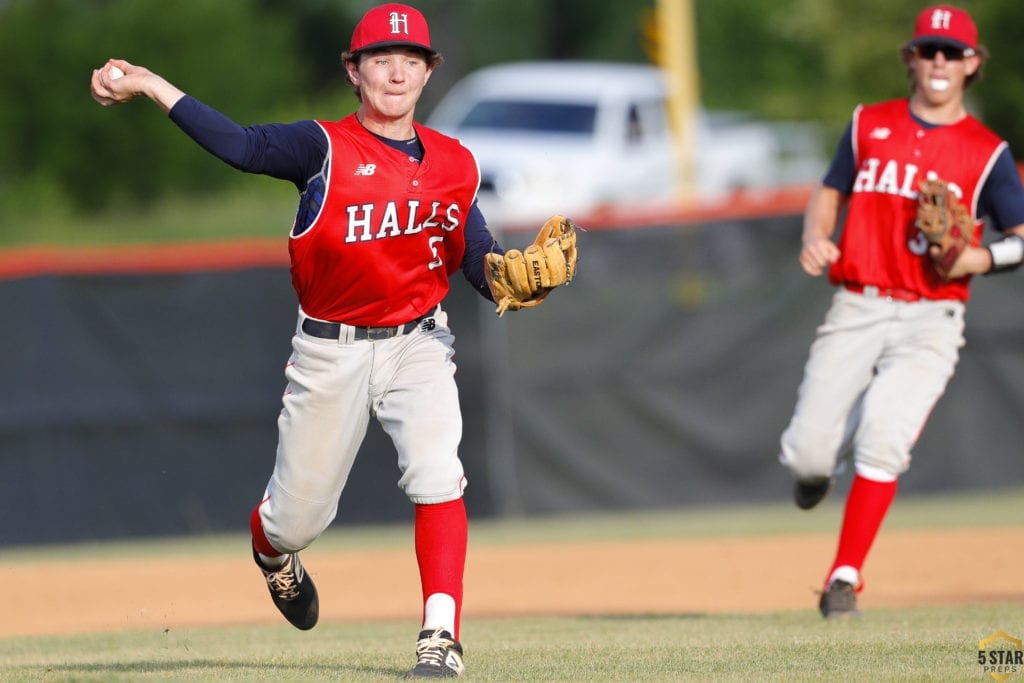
(839, 601)
(810, 492)
(292, 591)
(438, 655)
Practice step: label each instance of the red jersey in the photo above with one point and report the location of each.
(894, 154)
(389, 232)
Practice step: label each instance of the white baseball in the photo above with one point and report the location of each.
(115, 73)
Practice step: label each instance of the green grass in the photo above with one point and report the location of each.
(936, 643)
(262, 209)
(923, 644)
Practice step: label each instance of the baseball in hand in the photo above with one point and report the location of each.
(115, 73)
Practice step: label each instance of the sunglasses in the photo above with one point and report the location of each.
(951, 53)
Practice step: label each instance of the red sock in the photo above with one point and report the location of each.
(259, 538)
(441, 536)
(866, 507)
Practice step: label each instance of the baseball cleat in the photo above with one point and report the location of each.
(438, 655)
(810, 492)
(839, 601)
(293, 592)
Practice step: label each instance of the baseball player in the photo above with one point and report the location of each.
(891, 339)
(387, 213)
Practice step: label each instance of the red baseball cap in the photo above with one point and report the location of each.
(948, 25)
(391, 25)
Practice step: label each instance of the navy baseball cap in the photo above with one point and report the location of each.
(391, 25)
(947, 25)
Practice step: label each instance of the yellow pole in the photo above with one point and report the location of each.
(678, 55)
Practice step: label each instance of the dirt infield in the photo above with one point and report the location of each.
(670, 576)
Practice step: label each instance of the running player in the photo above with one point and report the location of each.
(387, 212)
(891, 339)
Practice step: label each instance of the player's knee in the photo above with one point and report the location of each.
(291, 524)
(294, 537)
(809, 453)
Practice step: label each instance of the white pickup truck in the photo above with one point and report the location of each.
(572, 137)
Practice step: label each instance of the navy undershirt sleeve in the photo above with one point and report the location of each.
(1002, 195)
(288, 151)
(479, 242)
(842, 170)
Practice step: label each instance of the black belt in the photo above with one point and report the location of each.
(327, 330)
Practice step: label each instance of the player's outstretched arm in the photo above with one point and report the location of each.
(118, 81)
(820, 220)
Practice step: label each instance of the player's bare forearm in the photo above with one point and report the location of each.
(109, 87)
(818, 251)
(978, 260)
(973, 261)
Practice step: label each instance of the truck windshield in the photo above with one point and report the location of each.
(538, 117)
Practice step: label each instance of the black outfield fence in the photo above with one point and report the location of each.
(146, 404)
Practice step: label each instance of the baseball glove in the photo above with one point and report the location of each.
(521, 279)
(945, 223)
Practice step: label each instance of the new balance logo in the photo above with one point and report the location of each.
(880, 134)
(366, 169)
(428, 325)
(454, 662)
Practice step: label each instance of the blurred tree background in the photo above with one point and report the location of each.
(68, 165)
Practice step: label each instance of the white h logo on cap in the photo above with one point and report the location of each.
(399, 23)
(941, 19)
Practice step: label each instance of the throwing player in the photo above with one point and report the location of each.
(891, 339)
(387, 213)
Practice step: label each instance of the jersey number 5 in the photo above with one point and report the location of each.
(918, 244)
(436, 262)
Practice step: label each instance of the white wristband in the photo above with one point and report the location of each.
(1007, 253)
